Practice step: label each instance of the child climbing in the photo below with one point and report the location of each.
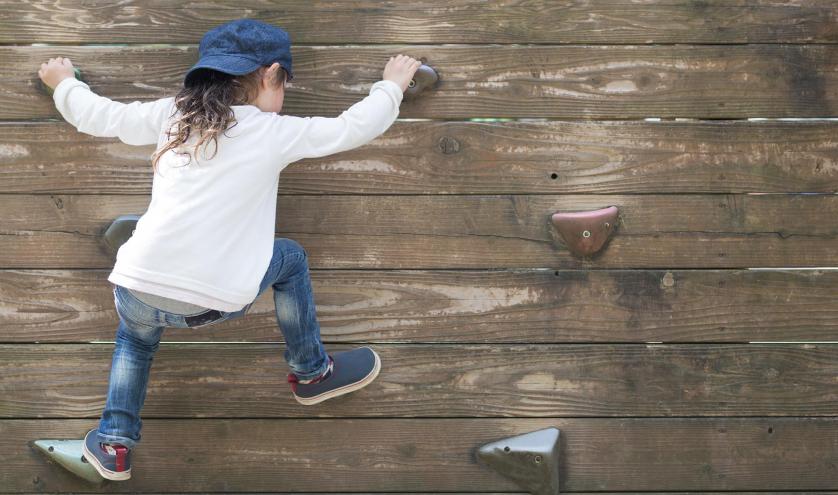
(205, 249)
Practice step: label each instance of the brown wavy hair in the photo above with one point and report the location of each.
(205, 103)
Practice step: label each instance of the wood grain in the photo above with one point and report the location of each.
(432, 245)
(441, 380)
(437, 455)
(424, 21)
(475, 158)
(564, 82)
(462, 306)
(467, 231)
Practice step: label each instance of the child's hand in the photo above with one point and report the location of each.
(56, 70)
(400, 69)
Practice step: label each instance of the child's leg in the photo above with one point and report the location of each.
(133, 354)
(289, 276)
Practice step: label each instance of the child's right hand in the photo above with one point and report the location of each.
(400, 69)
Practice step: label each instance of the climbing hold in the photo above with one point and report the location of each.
(531, 460)
(50, 90)
(424, 77)
(119, 231)
(69, 454)
(585, 232)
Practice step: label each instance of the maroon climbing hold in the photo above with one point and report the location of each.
(585, 232)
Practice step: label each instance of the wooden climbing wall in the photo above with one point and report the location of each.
(697, 352)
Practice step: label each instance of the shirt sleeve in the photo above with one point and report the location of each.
(137, 123)
(312, 137)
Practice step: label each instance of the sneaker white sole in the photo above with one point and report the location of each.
(308, 401)
(102, 470)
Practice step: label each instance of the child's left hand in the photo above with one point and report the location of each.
(56, 70)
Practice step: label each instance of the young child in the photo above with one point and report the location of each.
(205, 248)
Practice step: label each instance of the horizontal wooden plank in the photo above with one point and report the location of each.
(465, 21)
(460, 306)
(441, 380)
(437, 455)
(470, 231)
(566, 82)
(476, 157)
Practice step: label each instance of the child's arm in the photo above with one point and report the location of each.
(135, 123)
(311, 137)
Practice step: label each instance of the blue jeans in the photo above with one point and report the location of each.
(141, 325)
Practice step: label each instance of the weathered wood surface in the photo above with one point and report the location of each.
(487, 327)
(475, 157)
(427, 21)
(565, 82)
(467, 231)
(441, 380)
(437, 455)
(457, 306)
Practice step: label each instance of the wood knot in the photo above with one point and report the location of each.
(448, 145)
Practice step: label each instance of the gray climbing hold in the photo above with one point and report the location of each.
(69, 454)
(119, 231)
(424, 78)
(531, 460)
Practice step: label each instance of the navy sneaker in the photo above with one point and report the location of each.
(112, 461)
(348, 371)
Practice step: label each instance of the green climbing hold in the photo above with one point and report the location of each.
(69, 454)
(50, 90)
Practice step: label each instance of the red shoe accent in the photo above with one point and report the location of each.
(120, 451)
(121, 456)
(294, 380)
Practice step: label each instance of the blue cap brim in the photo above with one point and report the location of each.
(229, 64)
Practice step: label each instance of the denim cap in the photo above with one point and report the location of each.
(242, 46)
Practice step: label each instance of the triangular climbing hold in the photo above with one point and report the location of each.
(69, 454)
(531, 460)
(119, 231)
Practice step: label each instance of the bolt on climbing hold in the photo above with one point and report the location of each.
(531, 460)
(69, 454)
(585, 232)
(424, 78)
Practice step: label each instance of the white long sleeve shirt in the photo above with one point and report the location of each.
(207, 236)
